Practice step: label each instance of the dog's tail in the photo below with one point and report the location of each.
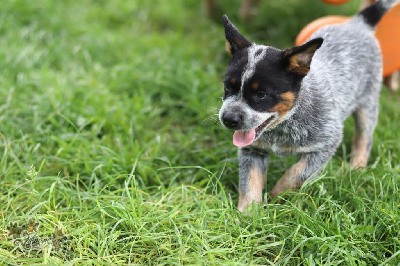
(373, 13)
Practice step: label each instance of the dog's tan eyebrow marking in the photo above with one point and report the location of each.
(232, 81)
(285, 104)
(255, 85)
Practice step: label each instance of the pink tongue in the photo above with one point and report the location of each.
(244, 138)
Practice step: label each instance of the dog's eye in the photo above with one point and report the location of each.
(260, 95)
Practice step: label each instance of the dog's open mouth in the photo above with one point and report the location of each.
(242, 138)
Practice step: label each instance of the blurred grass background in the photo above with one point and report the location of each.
(109, 137)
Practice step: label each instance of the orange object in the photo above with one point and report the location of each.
(387, 33)
(313, 26)
(335, 2)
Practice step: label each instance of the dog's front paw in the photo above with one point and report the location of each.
(358, 163)
(246, 201)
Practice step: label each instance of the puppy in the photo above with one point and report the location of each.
(295, 101)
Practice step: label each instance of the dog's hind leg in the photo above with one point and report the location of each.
(365, 121)
(252, 167)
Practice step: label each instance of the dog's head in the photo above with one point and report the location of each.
(261, 84)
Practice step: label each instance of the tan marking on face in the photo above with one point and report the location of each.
(286, 103)
(289, 180)
(255, 85)
(254, 189)
(232, 81)
(284, 106)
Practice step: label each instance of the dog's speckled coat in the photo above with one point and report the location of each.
(344, 78)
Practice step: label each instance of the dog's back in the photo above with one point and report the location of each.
(348, 63)
(345, 77)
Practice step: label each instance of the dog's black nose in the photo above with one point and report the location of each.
(232, 120)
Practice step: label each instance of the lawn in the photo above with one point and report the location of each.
(111, 151)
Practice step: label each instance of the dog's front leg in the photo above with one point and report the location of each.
(252, 167)
(295, 176)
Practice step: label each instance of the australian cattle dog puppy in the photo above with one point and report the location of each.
(295, 101)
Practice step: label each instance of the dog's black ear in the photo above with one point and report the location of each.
(298, 59)
(234, 40)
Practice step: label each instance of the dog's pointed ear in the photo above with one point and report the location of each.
(298, 59)
(234, 40)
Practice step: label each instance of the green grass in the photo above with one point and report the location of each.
(111, 151)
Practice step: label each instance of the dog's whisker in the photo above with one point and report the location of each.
(213, 118)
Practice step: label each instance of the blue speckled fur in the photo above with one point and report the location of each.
(344, 79)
